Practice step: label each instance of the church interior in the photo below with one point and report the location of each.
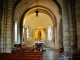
(39, 30)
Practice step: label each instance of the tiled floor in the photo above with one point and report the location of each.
(51, 54)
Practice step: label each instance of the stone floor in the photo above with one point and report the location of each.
(51, 54)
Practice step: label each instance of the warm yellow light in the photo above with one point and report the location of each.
(42, 34)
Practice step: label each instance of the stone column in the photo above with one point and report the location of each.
(1, 3)
(66, 39)
(59, 27)
(6, 27)
(56, 42)
(60, 35)
(77, 24)
(18, 37)
(71, 26)
(9, 36)
(25, 34)
(53, 37)
(22, 40)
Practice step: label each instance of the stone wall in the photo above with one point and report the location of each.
(78, 22)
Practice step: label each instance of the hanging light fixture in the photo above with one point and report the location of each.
(37, 12)
(36, 9)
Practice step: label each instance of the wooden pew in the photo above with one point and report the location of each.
(30, 55)
(76, 56)
(7, 56)
(21, 56)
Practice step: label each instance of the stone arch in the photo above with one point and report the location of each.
(55, 4)
(49, 13)
(56, 18)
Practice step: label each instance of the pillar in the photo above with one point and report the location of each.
(71, 25)
(56, 42)
(6, 27)
(1, 3)
(60, 35)
(66, 39)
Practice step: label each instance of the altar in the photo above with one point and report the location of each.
(39, 43)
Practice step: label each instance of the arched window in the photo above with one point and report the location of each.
(16, 31)
(49, 33)
(28, 32)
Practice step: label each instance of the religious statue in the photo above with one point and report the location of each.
(39, 34)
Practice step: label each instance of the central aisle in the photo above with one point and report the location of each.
(51, 54)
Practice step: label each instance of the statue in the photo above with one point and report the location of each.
(39, 34)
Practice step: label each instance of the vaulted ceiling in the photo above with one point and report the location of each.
(48, 13)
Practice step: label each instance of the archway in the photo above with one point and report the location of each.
(38, 24)
(52, 12)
